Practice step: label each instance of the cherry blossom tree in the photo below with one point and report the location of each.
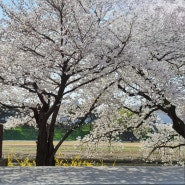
(109, 125)
(54, 55)
(152, 78)
(57, 54)
(155, 75)
(105, 129)
(163, 144)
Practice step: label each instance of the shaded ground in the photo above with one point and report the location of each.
(92, 175)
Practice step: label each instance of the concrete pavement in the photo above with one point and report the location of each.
(91, 175)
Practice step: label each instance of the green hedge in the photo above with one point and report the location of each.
(30, 133)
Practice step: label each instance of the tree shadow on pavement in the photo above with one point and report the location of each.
(92, 175)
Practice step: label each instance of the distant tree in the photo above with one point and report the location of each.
(107, 128)
(5, 113)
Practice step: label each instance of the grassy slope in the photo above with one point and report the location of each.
(29, 133)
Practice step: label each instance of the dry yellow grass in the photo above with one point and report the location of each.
(69, 149)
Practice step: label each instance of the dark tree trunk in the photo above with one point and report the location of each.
(45, 148)
(178, 124)
(1, 139)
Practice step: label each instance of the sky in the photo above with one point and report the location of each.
(165, 118)
(7, 2)
(1, 14)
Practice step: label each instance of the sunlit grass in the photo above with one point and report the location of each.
(23, 152)
(69, 149)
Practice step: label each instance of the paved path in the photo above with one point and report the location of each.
(91, 175)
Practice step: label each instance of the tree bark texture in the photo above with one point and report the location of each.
(178, 124)
(1, 140)
(45, 148)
